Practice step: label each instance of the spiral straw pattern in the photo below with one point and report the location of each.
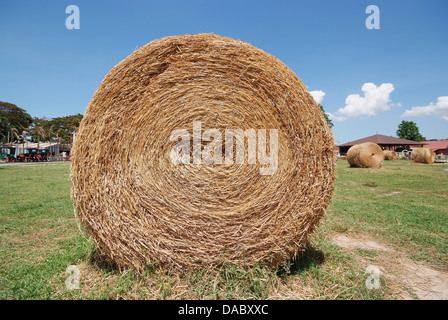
(140, 207)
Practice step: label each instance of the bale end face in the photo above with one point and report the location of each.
(140, 207)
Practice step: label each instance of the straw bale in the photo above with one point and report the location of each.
(390, 155)
(365, 155)
(423, 155)
(141, 208)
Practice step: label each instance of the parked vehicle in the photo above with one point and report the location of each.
(8, 154)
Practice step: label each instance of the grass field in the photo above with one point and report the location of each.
(402, 206)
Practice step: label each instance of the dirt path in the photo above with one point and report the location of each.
(407, 278)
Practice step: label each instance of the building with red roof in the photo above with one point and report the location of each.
(385, 142)
(439, 147)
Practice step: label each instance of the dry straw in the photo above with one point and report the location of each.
(365, 155)
(423, 155)
(140, 208)
(390, 155)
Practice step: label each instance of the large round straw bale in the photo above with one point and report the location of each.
(142, 206)
(390, 155)
(423, 155)
(365, 155)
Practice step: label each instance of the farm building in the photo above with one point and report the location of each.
(439, 147)
(385, 142)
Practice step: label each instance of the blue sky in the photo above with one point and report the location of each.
(372, 79)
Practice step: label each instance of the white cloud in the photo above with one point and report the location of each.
(375, 100)
(439, 109)
(318, 96)
(335, 117)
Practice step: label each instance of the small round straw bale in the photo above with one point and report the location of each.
(142, 208)
(390, 155)
(365, 155)
(423, 155)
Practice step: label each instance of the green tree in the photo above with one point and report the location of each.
(409, 130)
(37, 132)
(330, 123)
(3, 121)
(12, 117)
(62, 128)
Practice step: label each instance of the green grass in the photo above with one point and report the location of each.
(402, 205)
(407, 207)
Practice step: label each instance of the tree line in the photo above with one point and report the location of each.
(16, 125)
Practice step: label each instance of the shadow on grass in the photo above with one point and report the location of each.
(101, 262)
(310, 257)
